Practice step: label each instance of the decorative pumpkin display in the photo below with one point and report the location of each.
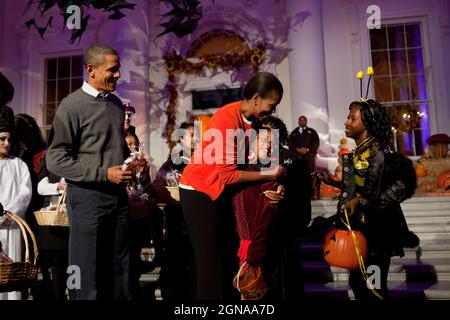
(443, 180)
(327, 191)
(339, 248)
(421, 170)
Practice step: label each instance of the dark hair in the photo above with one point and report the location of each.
(376, 120)
(276, 123)
(186, 125)
(95, 54)
(26, 128)
(132, 134)
(263, 84)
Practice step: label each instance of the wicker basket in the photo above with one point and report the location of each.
(56, 217)
(20, 275)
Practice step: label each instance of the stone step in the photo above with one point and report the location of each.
(427, 200)
(428, 275)
(416, 206)
(409, 212)
(432, 245)
(398, 291)
(427, 244)
(431, 228)
(428, 212)
(314, 252)
(442, 237)
(438, 291)
(414, 220)
(397, 265)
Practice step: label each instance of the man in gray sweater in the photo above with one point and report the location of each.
(87, 149)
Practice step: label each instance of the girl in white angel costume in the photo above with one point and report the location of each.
(15, 196)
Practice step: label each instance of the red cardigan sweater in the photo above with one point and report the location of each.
(214, 163)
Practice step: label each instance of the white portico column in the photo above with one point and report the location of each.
(307, 66)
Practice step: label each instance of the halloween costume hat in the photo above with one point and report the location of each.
(360, 76)
(6, 90)
(6, 113)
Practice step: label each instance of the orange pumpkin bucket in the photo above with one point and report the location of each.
(342, 249)
(250, 282)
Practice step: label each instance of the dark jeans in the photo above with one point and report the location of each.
(99, 241)
(214, 242)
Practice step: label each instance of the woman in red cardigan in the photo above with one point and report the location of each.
(205, 186)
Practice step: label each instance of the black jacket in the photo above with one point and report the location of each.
(389, 180)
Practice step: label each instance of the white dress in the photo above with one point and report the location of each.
(15, 196)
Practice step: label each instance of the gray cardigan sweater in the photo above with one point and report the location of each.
(87, 137)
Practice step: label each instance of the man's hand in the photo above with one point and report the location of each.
(117, 175)
(275, 196)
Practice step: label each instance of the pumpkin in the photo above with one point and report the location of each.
(339, 248)
(327, 191)
(443, 180)
(431, 173)
(421, 171)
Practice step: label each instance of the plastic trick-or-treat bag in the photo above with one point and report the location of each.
(140, 199)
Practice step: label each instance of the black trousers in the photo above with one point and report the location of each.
(56, 261)
(99, 241)
(310, 162)
(359, 285)
(211, 228)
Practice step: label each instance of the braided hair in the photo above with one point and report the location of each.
(376, 120)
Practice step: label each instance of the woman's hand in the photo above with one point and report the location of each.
(273, 174)
(275, 196)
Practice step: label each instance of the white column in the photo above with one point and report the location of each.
(307, 66)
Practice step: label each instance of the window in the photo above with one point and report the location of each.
(217, 42)
(400, 83)
(63, 75)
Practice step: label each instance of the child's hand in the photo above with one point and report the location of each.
(275, 196)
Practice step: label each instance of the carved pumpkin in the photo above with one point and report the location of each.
(339, 248)
(443, 180)
(421, 171)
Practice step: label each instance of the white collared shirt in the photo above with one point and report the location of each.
(90, 90)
